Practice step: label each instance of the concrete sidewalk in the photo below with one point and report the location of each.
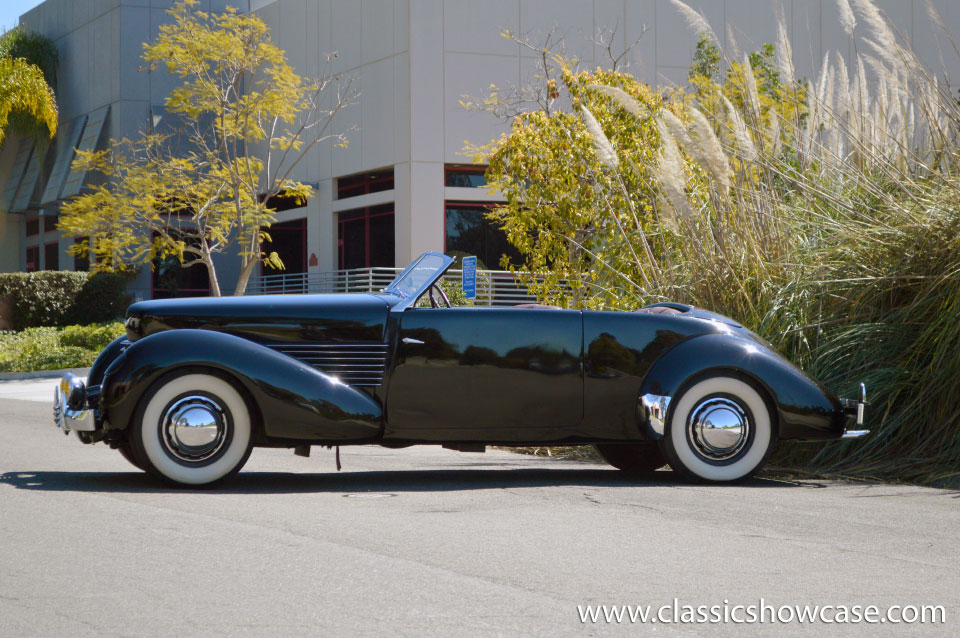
(32, 389)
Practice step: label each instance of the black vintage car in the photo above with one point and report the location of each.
(197, 383)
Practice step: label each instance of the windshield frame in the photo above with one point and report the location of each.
(410, 299)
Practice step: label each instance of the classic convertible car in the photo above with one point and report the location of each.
(197, 383)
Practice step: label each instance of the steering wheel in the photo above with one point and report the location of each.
(433, 301)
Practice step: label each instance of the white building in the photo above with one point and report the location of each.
(399, 189)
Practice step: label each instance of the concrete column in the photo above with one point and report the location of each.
(322, 229)
(419, 216)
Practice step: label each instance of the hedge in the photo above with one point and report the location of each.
(51, 348)
(60, 297)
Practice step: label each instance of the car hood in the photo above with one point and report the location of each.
(326, 317)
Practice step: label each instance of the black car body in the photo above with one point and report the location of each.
(344, 369)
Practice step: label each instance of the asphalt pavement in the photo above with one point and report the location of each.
(431, 542)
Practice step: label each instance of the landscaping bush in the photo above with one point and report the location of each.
(41, 298)
(103, 298)
(50, 348)
(57, 297)
(96, 337)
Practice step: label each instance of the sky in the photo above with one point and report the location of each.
(11, 10)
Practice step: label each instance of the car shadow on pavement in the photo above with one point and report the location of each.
(434, 480)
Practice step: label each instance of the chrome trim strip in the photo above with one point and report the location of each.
(356, 364)
(855, 434)
(861, 402)
(654, 407)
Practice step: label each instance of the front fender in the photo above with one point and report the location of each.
(295, 401)
(806, 409)
(109, 354)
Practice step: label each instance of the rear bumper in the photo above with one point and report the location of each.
(72, 409)
(856, 412)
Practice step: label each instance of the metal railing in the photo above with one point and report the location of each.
(494, 287)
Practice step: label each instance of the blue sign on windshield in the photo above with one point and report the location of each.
(470, 277)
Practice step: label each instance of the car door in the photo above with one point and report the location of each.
(507, 374)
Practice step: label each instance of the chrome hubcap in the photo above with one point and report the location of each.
(194, 428)
(718, 428)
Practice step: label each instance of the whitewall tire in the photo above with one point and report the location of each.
(720, 430)
(192, 428)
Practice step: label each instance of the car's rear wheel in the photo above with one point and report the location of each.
(638, 458)
(192, 428)
(720, 429)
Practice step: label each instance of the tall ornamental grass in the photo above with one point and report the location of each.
(824, 213)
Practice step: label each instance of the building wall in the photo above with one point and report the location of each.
(413, 61)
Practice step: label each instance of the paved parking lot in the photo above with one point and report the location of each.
(425, 541)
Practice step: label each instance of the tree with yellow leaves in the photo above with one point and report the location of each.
(28, 63)
(248, 122)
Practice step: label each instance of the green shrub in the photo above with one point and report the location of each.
(49, 348)
(454, 292)
(41, 298)
(58, 297)
(103, 298)
(57, 359)
(95, 337)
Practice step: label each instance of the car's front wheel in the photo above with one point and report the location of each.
(192, 428)
(127, 453)
(720, 429)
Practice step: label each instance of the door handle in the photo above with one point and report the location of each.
(413, 342)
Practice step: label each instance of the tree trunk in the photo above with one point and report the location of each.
(245, 272)
(212, 274)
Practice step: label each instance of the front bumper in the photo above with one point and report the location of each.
(71, 406)
(855, 409)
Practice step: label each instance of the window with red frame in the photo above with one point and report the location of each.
(50, 223)
(468, 232)
(464, 175)
(51, 256)
(364, 183)
(80, 263)
(366, 237)
(33, 258)
(33, 227)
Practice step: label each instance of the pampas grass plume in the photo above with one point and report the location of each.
(605, 152)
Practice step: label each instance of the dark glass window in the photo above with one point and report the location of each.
(50, 223)
(171, 279)
(465, 176)
(363, 183)
(33, 258)
(366, 237)
(468, 232)
(81, 264)
(51, 256)
(33, 227)
(289, 241)
(282, 202)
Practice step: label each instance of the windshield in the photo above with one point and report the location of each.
(419, 275)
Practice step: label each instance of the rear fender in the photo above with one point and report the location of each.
(295, 401)
(805, 409)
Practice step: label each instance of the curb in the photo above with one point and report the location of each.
(43, 374)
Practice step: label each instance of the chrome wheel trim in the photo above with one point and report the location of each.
(194, 428)
(718, 428)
